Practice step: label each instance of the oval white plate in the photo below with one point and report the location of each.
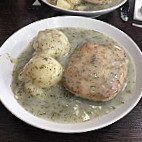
(20, 40)
(85, 13)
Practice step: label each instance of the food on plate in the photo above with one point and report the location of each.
(96, 72)
(98, 1)
(63, 4)
(53, 42)
(42, 71)
(88, 63)
(84, 5)
(74, 2)
(68, 4)
(32, 89)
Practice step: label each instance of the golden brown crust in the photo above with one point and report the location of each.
(96, 72)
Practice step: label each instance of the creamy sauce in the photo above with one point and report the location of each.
(85, 6)
(57, 104)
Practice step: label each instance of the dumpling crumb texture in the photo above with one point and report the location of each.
(44, 72)
(52, 42)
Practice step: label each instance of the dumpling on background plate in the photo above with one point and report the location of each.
(98, 1)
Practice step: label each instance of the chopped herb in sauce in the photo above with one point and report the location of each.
(56, 103)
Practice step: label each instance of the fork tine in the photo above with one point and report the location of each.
(36, 3)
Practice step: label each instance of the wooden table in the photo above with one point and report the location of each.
(14, 14)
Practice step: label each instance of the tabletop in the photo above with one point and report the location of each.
(15, 14)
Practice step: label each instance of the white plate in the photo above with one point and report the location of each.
(85, 13)
(20, 40)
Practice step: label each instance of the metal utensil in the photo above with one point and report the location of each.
(35, 5)
(124, 11)
(137, 25)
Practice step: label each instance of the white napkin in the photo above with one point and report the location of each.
(138, 10)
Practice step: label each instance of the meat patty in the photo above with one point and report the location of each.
(98, 1)
(96, 72)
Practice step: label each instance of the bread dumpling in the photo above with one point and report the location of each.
(74, 2)
(68, 4)
(42, 71)
(63, 4)
(53, 42)
(32, 89)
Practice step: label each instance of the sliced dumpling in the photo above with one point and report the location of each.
(74, 2)
(81, 7)
(63, 4)
(53, 42)
(42, 71)
(32, 89)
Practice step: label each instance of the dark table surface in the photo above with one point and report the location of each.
(14, 14)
